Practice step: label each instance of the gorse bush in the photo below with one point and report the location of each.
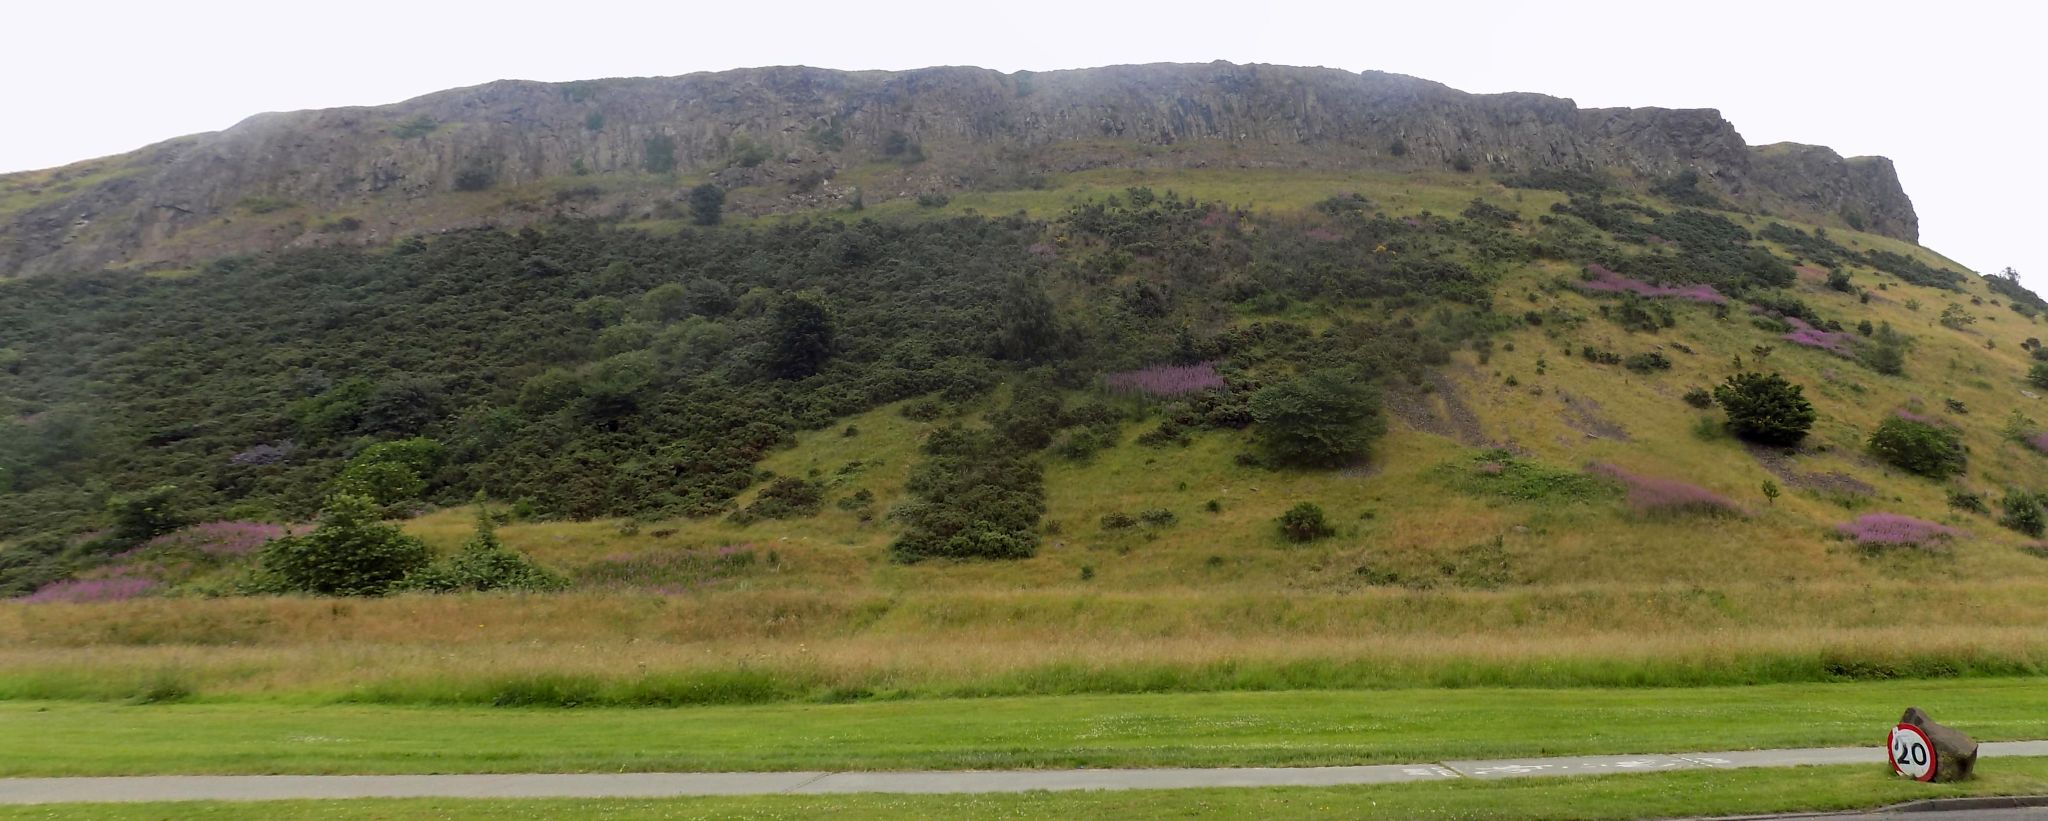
(973, 497)
(1318, 420)
(1765, 409)
(785, 498)
(1304, 522)
(1918, 447)
(484, 564)
(2021, 511)
(350, 553)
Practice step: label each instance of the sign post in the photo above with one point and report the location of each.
(1912, 754)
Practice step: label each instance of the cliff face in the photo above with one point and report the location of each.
(777, 137)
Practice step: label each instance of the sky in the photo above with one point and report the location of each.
(1950, 91)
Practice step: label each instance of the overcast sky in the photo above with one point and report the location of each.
(1951, 91)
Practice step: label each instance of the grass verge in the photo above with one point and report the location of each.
(1728, 792)
(1212, 729)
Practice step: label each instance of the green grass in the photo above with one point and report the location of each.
(1725, 792)
(1221, 729)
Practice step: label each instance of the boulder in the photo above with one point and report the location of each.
(1955, 753)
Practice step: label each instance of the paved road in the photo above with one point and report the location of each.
(666, 785)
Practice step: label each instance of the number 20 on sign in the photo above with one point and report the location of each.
(1911, 753)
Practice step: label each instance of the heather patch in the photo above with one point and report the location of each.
(112, 587)
(214, 539)
(1600, 280)
(1166, 380)
(1834, 342)
(1896, 530)
(1657, 495)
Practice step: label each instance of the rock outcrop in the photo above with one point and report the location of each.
(1955, 753)
(513, 152)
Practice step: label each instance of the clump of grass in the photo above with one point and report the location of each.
(1503, 474)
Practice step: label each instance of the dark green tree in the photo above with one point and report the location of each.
(802, 336)
(1765, 409)
(1029, 329)
(146, 515)
(658, 155)
(707, 204)
(351, 553)
(1317, 420)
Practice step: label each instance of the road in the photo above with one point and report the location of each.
(665, 785)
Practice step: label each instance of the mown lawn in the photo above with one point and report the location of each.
(1199, 729)
(1696, 793)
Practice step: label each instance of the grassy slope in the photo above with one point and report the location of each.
(1302, 728)
(1689, 794)
(1597, 594)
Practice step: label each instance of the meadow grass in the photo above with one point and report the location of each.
(1301, 728)
(1693, 793)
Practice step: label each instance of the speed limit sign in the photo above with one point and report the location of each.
(1911, 753)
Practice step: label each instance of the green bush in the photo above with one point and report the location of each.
(707, 204)
(1318, 420)
(1699, 398)
(483, 564)
(1118, 520)
(1304, 522)
(1765, 409)
(1158, 517)
(658, 154)
(785, 498)
(2023, 513)
(2038, 375)
(1918, 447)
(139, 517)
(388, 473)
(351, 553)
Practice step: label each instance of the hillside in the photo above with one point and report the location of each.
(1047, 438)
(782, 140)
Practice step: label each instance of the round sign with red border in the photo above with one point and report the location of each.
(1912, 754)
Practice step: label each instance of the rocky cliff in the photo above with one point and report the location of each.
(779, 137)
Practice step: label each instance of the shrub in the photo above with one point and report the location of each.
(2038, 375)
(658, 154)
(1304, 522)
(1765, 409)
(485, 564)
(974, 497)
(1118, 520)
(388, 473)
(350, 553)
(1320, 419)
(419, 126)
(1918, 447)
(2022, 513)
(707, 204)
(142, 516)
(785, 498)
(1894, 530)
(1646, 362)
(1699, 398)
(1157, 516)
(475, 175)
(1967, 501)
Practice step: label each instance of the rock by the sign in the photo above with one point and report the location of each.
(1955, 754)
